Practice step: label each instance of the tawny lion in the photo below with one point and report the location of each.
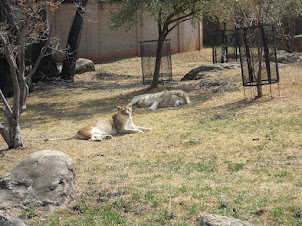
(120, 123)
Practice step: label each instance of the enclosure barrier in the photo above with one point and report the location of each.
(224, 46)
(148, 58)
(258, 57)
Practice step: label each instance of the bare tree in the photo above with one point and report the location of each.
(25, 28)
(246, 13)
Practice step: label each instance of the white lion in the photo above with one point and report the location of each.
(172, 98)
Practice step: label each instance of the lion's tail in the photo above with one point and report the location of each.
(63, 138)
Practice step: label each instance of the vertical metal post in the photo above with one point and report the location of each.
(266, 55)
(142, 62)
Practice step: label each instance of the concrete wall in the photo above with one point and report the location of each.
(99, 43)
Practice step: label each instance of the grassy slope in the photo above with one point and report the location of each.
(222, 154)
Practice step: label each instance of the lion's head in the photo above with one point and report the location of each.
(125, 111)
(178, 101)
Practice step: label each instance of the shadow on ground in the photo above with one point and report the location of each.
(45, 112)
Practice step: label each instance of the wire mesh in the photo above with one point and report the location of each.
(148, 58)
(224, 46)
(257, 48)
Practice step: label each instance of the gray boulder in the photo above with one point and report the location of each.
(44, 178)
(199, 72)
(217, 220)
(285, 57)
(84, 65)
(10, 221)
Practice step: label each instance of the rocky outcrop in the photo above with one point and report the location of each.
(45, 179)
(286, 57)
(7, 221)
(201, 71)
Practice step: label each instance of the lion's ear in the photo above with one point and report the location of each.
(118, 108)
(129, 105)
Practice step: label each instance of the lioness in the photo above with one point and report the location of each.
(152, 101)
(120, 123)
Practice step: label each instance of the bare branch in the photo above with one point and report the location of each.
(21, 58)
(42, 53)
(12, 66)
(25, 28)
(4, 134)
(8, 110)
(22, 50)
(4, 111)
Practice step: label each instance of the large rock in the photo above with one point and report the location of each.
(45, 178)
(10, 221)
(200, 72)
(285, 57)
(217, 220)
(84, 65)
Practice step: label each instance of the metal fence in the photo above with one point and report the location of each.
(148, 58)
(258, 57)
(224, 46)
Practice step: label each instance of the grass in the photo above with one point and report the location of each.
(225, 153)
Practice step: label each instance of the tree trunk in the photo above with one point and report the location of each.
(159, 50)
(259, 76)
(20, 75)
(15, 135)
(73, 42)
(259, 38)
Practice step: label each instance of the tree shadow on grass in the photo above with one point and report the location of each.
(2, 152)
(40, 113)
(122, 88)
(238, 105)
(87, 109)
(119, 82)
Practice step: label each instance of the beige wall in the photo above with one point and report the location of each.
(99, 43)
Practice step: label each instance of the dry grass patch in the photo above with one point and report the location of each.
(223, 153)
